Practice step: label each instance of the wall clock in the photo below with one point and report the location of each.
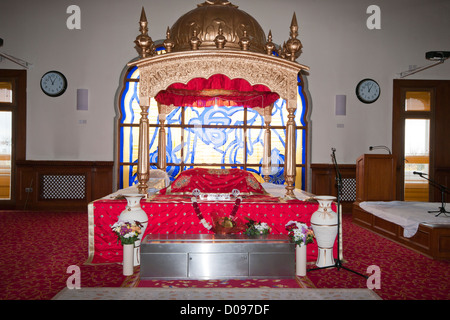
(368, 91)
(53, 83)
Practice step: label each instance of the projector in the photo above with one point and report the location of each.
(437, 55)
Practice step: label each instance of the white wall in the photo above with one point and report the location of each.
(338, 47)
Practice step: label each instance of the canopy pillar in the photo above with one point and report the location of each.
(143, 153)
(163, 111)
(290, 164)
(267, 157)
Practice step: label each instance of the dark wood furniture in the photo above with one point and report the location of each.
(430, 240)
(62, 185)
(375, 177)
(376, 181)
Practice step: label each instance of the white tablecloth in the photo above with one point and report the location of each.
(407, 214)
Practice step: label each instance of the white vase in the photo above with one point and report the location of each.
(300, 263)
(324, 223)
(133, 212)
(128, 259)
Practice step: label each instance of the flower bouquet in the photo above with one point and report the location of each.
(127, 232)
(225, 225)
(256, 228)
(299, 233)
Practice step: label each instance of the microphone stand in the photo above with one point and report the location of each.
(443, 189)
(338, 262)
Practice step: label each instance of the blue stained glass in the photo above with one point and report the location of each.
(303, 123)
(133, 73)
(223, 142)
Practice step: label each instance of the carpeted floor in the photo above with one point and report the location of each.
(37, 248)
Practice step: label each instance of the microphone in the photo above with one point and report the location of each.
(419, 173)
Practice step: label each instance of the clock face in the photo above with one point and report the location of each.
(367, 90)
(53, 83)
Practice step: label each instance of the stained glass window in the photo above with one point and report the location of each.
(219, 137)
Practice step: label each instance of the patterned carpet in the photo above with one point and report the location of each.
(39, 247)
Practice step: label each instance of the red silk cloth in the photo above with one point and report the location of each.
(218, 89)
(170, 214)
(214, 181)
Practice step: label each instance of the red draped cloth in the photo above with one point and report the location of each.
(214, 181)
(174, 214)
(218, 89)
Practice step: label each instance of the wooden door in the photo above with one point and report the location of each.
(424, 106)
(12, 131)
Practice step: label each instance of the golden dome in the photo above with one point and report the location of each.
(217, 24)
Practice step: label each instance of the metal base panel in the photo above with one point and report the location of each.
(208, 256)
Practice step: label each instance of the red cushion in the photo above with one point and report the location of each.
(214, 181)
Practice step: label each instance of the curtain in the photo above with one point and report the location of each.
(217, 90)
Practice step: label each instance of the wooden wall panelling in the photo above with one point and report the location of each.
(323, 182)
(61, 185)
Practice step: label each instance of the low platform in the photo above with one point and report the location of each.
(431, 240)
(211, 256)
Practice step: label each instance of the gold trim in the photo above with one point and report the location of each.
(91, 232)
(324, 225)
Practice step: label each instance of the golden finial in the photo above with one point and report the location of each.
(294, 26)
(293, 46)
(144, 43)
(195, 41)
(220, 40)
(245, 42)
(270, 46)
(168, 43)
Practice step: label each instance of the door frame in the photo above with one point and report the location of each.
(19, 124)
(437, 115)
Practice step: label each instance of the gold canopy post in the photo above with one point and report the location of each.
(143, 161)
(267, 160)
(162, 137)
(293, 48)
(289, 165)
(146, 48)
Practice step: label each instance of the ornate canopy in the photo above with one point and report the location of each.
(217, 51)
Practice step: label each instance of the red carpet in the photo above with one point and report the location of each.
(36, 249)
(405, 274)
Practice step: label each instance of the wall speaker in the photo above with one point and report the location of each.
(82, 99)
(341, 105)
